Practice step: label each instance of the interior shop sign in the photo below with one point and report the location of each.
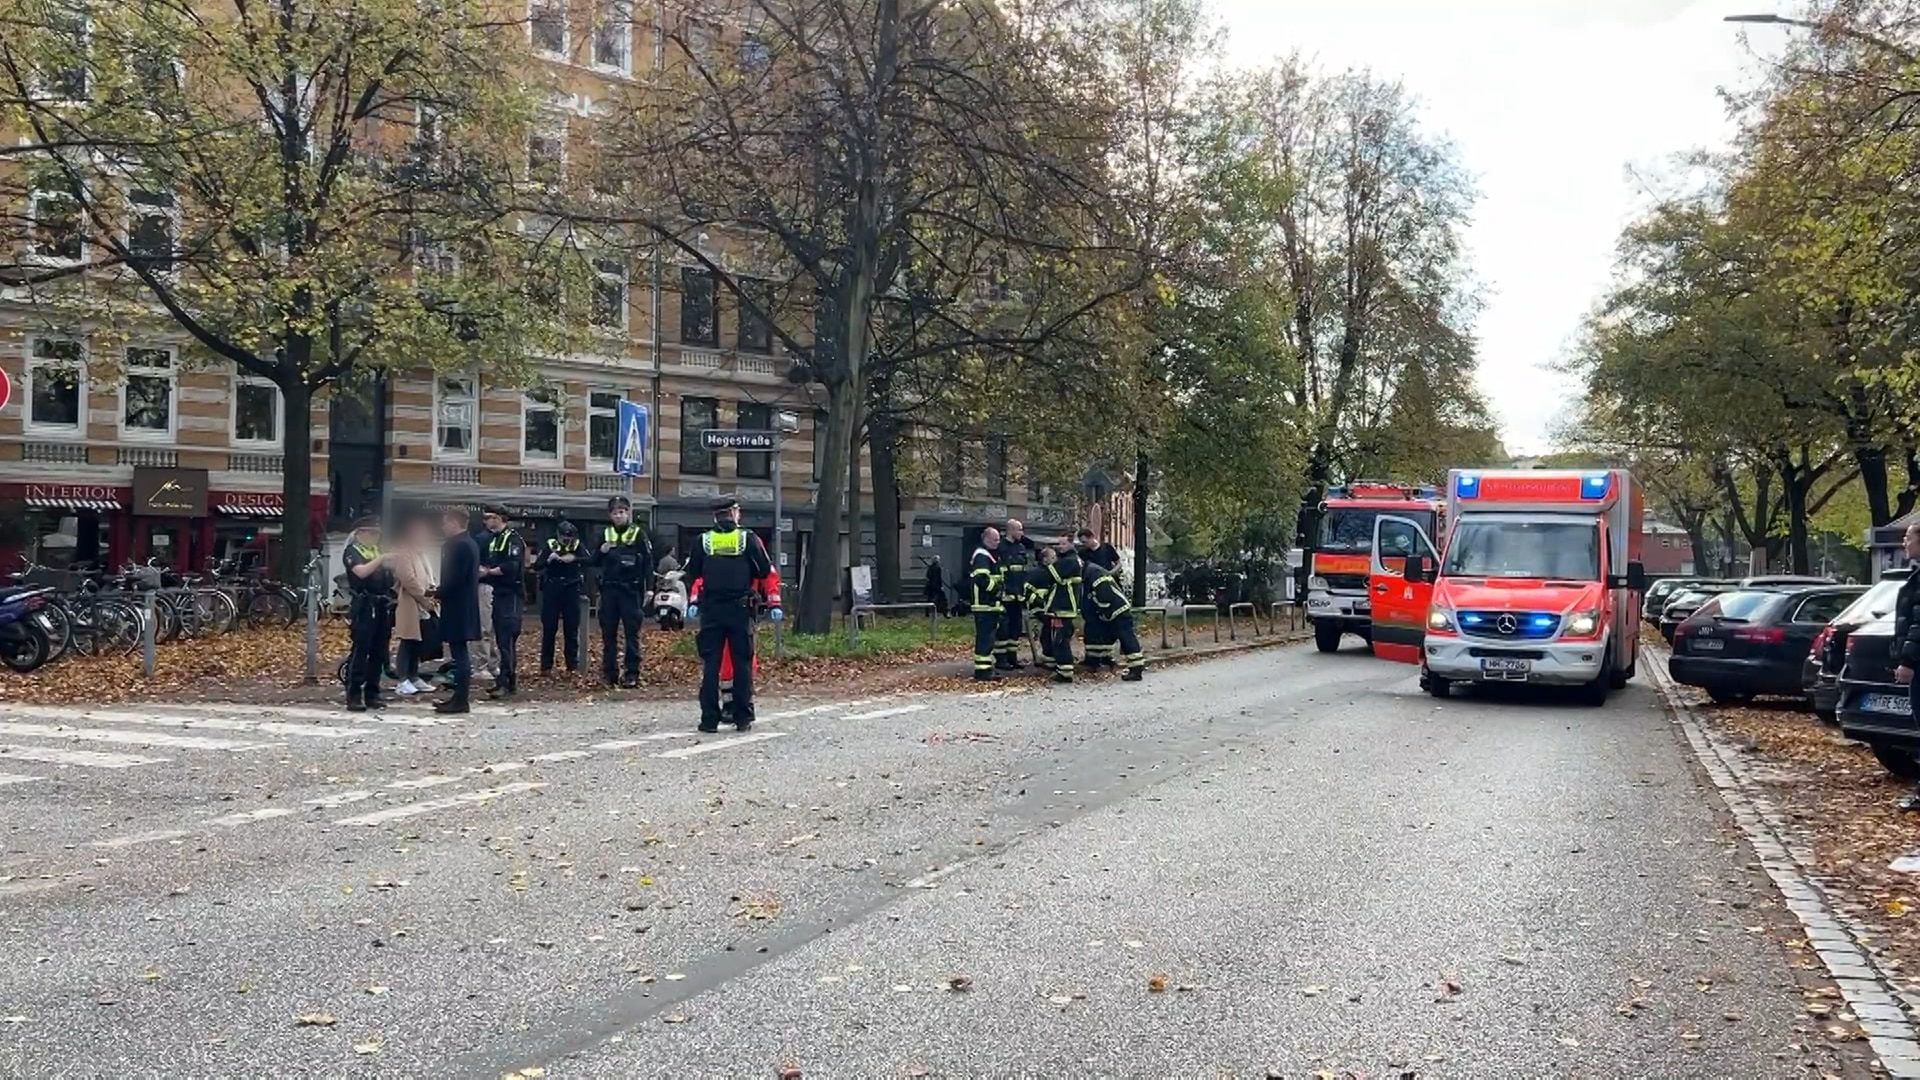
(88, 492)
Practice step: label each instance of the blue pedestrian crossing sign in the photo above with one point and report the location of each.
(631, 458)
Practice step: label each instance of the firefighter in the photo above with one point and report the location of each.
(723, 569)
(503, 567)
(562, 564)
(1015, 556)
(1101, 650)
(1055, 598)
(370, 587)
(1108, 608)
(983, 585)
(625, 559)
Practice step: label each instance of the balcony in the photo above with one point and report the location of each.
(456, 474)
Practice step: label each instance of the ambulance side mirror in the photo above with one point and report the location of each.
(1634, 579)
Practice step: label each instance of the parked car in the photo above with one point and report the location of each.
(1783, 579)
(1829, 650)
(1744, 644)
(1871, 707)
(1659, 593)
(1687, 601)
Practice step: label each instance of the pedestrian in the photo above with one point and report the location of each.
(503, 567)
(1015, 555)
(1055, 599)
(983, 589)
(1108, 608)
(1906, 636)
(413, 616)
(458, 593)
(562, 565)
(668, 564)
(723, 570)
(934, 591)
(625, 561)
(370, 589)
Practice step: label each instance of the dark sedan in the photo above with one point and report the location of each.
(1658, 593)
(1872, 708)
(1687, 601)
(1744, 644)
(1830, 647)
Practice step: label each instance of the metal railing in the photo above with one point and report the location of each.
(1162, 612)
(874, 611)
(1233, 625)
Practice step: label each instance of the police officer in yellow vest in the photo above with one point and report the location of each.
(625, 559)
(503, 565)
(726, 565)
(370, 586)
(983, 586)
(562, 565)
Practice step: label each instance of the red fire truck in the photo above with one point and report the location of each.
(1338, 601)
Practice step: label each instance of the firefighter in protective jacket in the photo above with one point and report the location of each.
(1109, 610)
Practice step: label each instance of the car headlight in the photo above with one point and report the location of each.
(1439, 619)
(1318, 583)
(1583, 623)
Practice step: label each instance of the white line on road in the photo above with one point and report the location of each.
(142, 838)
(210, 723)
(337, 800)
(723, 744)
(17, 778)
(248, 817)
(562, 755)
(669, 736)
(498, 767)
(619, 744)
(396, 813)
(430, 780)
(335, 715)
(92, 759)
(16, 888)
(134, 738)
(823, 708)
(878, 713)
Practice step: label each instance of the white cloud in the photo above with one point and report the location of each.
(1554, 105)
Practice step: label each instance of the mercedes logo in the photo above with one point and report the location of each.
(1506, 624)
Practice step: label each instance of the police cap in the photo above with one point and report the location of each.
(725, 503)
(619, 502)
(567, 528)
(496, 510)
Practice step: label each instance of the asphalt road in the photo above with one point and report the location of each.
(1274, 863)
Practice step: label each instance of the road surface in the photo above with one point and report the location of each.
(1273, 863)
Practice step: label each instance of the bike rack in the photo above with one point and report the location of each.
(874, 611)
(1186, 619)
(1233, 628)
(1163, 613)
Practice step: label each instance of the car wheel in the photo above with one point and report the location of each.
(1326, 636)
(1897, 760)
(1730, 697)
(1595, 693)
(1435, 685)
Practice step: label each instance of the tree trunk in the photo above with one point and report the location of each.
(882, 434)
(296, 480)
(1872, 463)
(1697, 540)
(823, 558)
(1140, 487)
(1797, 536)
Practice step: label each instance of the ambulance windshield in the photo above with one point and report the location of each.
(1550, 550)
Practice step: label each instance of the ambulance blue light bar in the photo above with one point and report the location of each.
(1534, 487)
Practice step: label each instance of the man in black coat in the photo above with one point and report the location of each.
(1906, 636)
(459, 594)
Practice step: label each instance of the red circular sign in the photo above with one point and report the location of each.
(6, 389)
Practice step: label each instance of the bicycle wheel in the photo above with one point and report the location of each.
(166, 620)
(54, 619)
(224, 612)
(116, 627)
(270, 607)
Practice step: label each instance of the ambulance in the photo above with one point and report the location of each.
(1539, 581)
(1338, 594)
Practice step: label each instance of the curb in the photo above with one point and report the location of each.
(1884, 1012)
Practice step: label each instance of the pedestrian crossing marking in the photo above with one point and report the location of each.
(17, 778)
(562, 755)
(397, 813)
(817, 709)
(337, 800)
(722, 744)
(248, 817)
(498, 767)
(391, 716)
(91, 759)
(878, 713)
(143, 838)
(617, 744)
(136, 738)
(430, 780)
(209, 723)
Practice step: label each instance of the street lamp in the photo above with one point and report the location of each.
(1906, 55)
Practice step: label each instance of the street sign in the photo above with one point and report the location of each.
(631, 457)
(730, 439)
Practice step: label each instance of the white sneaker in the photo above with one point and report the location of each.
(406, 688)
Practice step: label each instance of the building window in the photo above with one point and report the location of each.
(696, 415)
(819, 444)
(56, 386)
(609, 310)
(950, 453)
(66, 77)
(453, 416)
(613, 36)
(54, 207)
(1036, 491)
(755, 55)
(603, 426)
(547, 150)
(997, 468)
(755, 464)
(539, 425)
(547, 21)
(146, 400)
(699, 314)
(756, 333)
(153, 223)
(256, 411)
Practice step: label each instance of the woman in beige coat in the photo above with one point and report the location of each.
(414, 572)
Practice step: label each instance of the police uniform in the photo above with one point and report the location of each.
(983, 587)
(626, 567)
(725, 566)
(371, 621)
(1014, 557)
(562, 566)
(1108, 608)
(504, 552)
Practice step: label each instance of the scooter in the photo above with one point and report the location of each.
(24, 646)
(668, 604)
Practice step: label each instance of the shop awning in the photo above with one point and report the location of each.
(75, 504)
(252, 511)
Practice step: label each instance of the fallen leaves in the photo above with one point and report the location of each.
(315, 1020)
(1446, 989)
(371, 1046)
(1157, 984)
(960, 984)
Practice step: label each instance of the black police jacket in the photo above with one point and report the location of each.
(628, 561)
(504, 551)
(725, 565)
(376, 586)
(557, 573)
(1906, 622)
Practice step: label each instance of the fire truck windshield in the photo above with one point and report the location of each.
(1551, 550)
(1349, 530)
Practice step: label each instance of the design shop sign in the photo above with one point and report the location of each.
(170, 492)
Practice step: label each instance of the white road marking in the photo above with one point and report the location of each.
(498, 767)
(142, 838)
(135, 738)
(334, 715)
(92, 759)
(723, 744)
(335, 801)
(562, 755)
(430, 780)
(210, 723)
(619, 744)
(932, 878)
(669, 736)
(824, 708)
(16, 888)
(397, 813)
(17, 778)
(248, 817)
(878, 713)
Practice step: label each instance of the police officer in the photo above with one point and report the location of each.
(370, 586)
(625, 558)
(503, 565)
(562, 565)
(1109, 609)
(724, 567)
(983, 587)
(1015, 555)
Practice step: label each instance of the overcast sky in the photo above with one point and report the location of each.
(1555, 106)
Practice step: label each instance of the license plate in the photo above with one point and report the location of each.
(1363, 608)
(1708, 645)
(1885, 703)
(1506, 669)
